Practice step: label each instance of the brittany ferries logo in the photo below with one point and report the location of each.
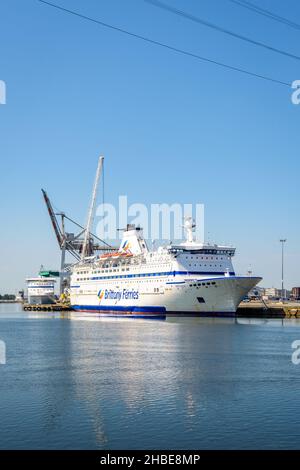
(101, 294)
(118, 294)
(126, 246)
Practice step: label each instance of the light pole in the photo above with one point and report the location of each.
(282, 241)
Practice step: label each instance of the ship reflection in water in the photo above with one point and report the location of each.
(188, 383)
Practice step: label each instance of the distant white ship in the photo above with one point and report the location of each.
(189, 278)
(40, 290)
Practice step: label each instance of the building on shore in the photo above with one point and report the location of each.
(295, 293)
(272, 293)
(256, 293)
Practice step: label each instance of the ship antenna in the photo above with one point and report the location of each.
(91, 210)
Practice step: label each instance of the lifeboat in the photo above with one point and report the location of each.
(116, 254)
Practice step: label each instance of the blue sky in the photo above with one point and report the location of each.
(172, 128)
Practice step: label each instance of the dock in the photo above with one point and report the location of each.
(261, 309)
(256, 309)
(58, 307)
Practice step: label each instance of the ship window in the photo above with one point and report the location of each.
(201, 300)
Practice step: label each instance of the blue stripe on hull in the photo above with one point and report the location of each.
(149, 316)
(154, 313)
(119, 308)
(144, 312)
(166, 273)
(41, 287)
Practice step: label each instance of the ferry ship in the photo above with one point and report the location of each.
(41, 290)
(189, 278)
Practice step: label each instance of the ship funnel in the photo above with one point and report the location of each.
(133, 242)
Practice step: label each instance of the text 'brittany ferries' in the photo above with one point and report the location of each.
(119, 294)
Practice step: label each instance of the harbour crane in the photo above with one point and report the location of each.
(84, 243)
(90, 219)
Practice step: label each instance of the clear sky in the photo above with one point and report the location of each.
(172, 128)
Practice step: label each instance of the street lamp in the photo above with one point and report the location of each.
(282, 241)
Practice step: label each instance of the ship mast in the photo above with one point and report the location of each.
(85, 248)
(189, 226)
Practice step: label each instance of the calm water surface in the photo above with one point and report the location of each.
(181, 383)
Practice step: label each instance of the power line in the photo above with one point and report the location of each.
(166, 46)
(198, 20)
(267, 13)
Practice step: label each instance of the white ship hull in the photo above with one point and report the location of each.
(41, 299)
(40, 290)
(212, 295)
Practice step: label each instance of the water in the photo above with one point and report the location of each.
(181, 383)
